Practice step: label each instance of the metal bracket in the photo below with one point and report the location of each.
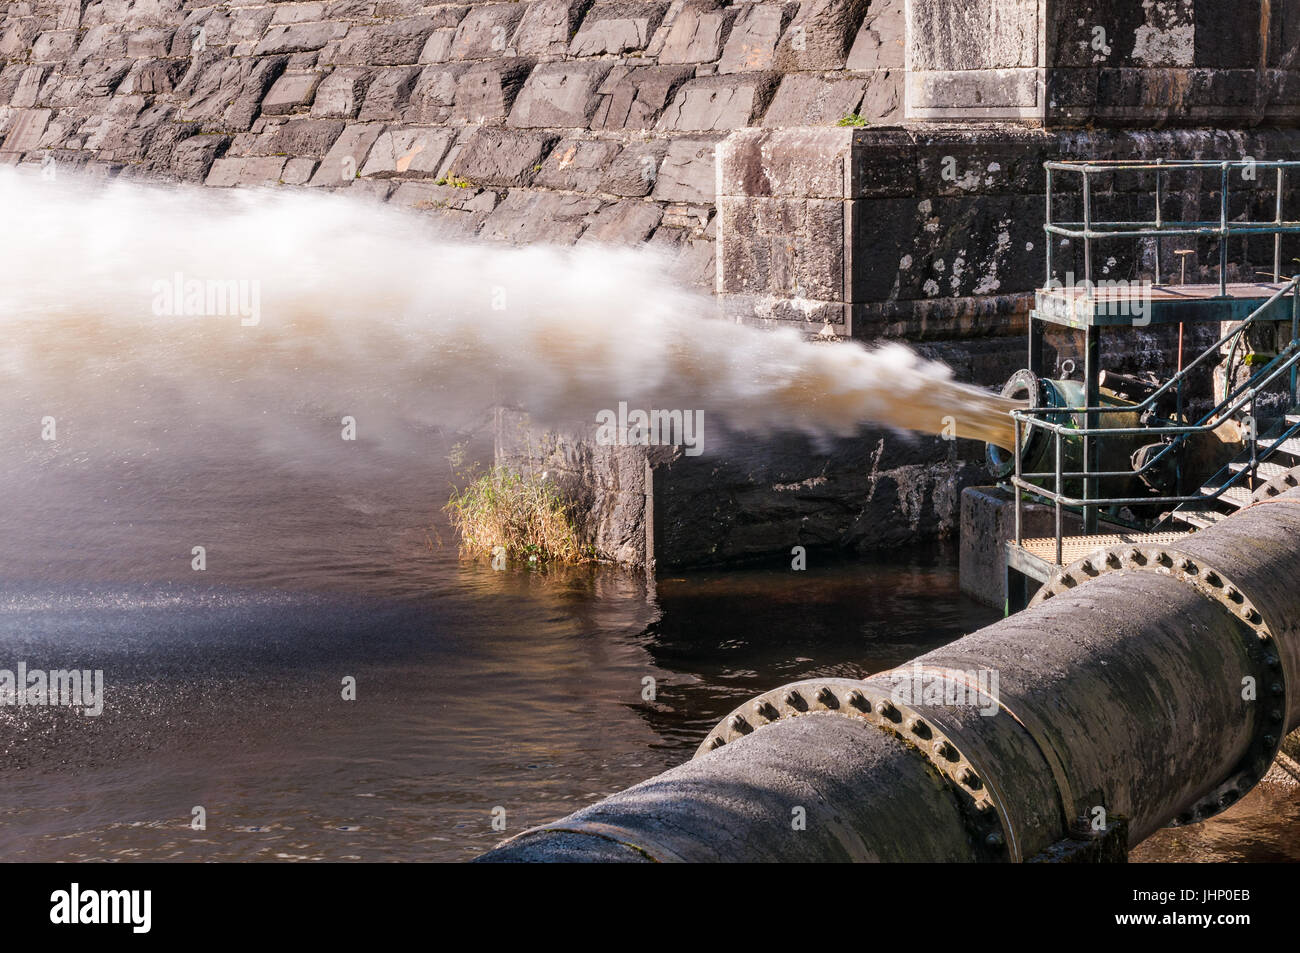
(1277, 486)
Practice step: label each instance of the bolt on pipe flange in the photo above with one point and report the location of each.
(1277, 486)
(986, 818)
(1272, 681)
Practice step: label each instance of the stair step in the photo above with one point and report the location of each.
(1237, 496)
(1265, 471)
(1289, 446)
(1198, 518)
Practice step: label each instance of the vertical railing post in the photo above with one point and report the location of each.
(1091, 398)
(1254, 445)
(1015, 485)
(1277, 236)
(1223, 232)
(1160, 176)
(1087, 229)
(1047, 229)
(1059, 529)
(1295, 332)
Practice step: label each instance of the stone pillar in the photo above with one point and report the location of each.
(786, 227)
(1227, 63)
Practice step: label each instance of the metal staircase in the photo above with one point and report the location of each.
(1236, 485)
(1073, 479)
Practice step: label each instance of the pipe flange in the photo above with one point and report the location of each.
(1277, 486)
(986, 818)
(1272, 682)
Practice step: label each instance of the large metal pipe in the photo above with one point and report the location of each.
(1145, 685)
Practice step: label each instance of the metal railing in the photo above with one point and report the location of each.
(1090, 230)
(1236, 399)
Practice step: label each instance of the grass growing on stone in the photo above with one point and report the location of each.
(503, 513)
(852, 119)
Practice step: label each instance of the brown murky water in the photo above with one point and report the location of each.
(475, 689)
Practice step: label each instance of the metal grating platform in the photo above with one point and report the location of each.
(1080, 307)
(1036, 558)
(1074, 548)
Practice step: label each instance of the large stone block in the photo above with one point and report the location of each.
(687, 173)
(559, 95)
(617, 28)
(151, 42)
(789, 248)
(26, 126)
(437, 48)
(387, 44)
(881, 42)
(805, 99)
(461, 210)
(502, 157)
(201, 30)
(579, 165)
(227, 93)
(388, 93)
(153, 77)
(192, 159)
(623, 223)
(348, 154)
(260, 170)
(411, 151)
(17, 37)
(698, 32)
(485, 31)
(790, 163)
(291, 92)
(299, 37)
(548, 26)
(248, 25)
(486, 92)
(310, 137)
(719, 102)
(821, 35)
(751, 46)
(300, 12)
(635, 171)
(634, 97)
(434, 95)
(28, 90)
(979, 36)
(526, 217)
(882, 101)
(55, 46)
(341, 93)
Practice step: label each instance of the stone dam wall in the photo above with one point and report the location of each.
(710, 130)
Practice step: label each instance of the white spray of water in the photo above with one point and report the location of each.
(363, 305)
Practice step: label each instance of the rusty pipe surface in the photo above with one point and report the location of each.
(1145, 685)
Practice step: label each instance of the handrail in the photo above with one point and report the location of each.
(1246, 322)
(1028, 419)
(1089, 230)
(1235, 399)
(1165, 500)
(1223, 411)
(1101, 166)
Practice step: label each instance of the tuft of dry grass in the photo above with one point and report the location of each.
(505, 513)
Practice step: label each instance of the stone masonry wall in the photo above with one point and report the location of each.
(556, 120)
